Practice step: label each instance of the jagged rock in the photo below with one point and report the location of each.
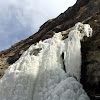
(86, 11)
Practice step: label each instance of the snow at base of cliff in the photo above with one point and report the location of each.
(49, 70)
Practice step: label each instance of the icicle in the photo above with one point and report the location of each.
(72, 49)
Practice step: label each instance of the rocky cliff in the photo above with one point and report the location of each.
(85, 11)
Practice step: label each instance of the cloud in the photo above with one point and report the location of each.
(21, 18)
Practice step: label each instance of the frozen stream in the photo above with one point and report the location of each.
(49, 70)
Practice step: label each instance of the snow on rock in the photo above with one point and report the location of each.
(42, 73)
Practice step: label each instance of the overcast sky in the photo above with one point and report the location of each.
(21, 18)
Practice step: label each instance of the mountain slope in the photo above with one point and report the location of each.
(86, 11)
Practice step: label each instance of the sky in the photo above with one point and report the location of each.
(19, 19)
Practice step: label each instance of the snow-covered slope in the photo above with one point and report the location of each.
(49, 70)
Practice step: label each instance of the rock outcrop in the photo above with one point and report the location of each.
(86, 11)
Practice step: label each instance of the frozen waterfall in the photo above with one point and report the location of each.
(42, 73)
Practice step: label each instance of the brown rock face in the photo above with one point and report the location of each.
(86, 11)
